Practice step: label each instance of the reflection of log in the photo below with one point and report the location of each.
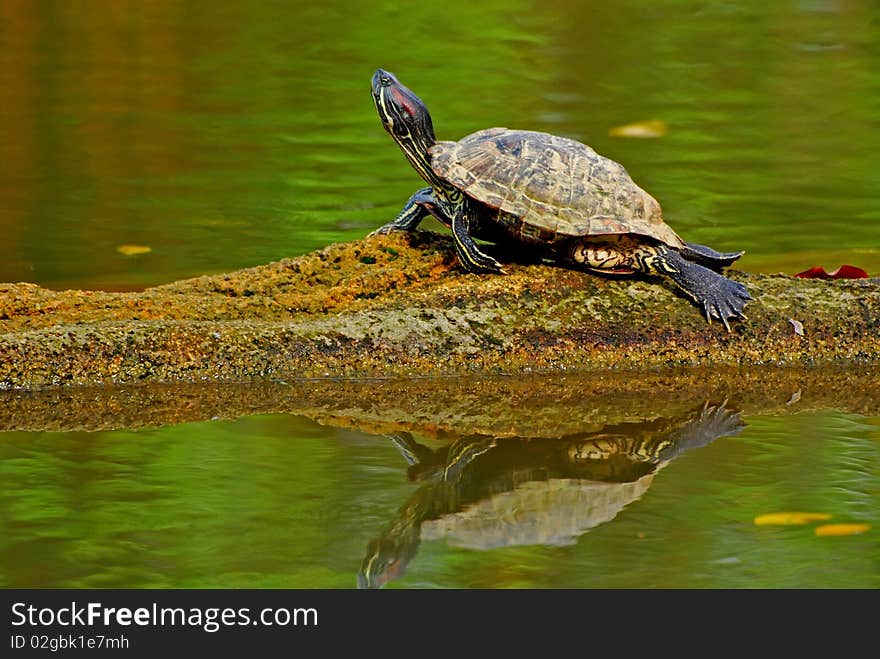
(397, 305)
(526, 406)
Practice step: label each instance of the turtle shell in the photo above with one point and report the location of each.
(554, 184)
(552, 512)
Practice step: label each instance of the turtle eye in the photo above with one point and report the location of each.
(385, 81)
(400, 129)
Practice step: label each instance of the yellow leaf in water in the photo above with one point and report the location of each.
(648, 128)
(790, 518)
(841, 529)
(133, 250)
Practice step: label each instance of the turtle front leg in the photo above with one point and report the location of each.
(462, 453)
(469, 255)
(420, 206)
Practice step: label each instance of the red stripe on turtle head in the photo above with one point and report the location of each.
(404, 102)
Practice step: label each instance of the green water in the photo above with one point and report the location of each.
(224, 135)
(280, 501)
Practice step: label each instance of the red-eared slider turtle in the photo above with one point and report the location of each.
(483, 492)
(552, 194)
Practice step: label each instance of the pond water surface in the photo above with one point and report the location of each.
(235, 136)
(581, 483)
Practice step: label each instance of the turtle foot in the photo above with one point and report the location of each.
(482, 266)
(711, 422)
(724, 299)
(720, 298)
(469, 255)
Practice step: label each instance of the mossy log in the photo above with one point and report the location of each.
(398, 305)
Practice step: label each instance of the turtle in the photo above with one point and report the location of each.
(548, 196)
(483, 492)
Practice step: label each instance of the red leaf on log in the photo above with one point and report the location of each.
(849, 272)
(843, 272)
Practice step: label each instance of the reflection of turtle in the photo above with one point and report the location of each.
(551, 194)
(481, 492)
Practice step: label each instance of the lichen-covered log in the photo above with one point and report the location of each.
(398, 305)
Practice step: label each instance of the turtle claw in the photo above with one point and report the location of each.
(723, 299)
(385, 229)
(712, 311)
(497, 269)
(723, 308)
(726, 324)
(491, 266)
(488, 267)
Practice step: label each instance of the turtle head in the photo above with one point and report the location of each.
(386, 560)
(405, 118)
(402, 113)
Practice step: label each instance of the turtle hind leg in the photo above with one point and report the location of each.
(721, 298)
(708, 257)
